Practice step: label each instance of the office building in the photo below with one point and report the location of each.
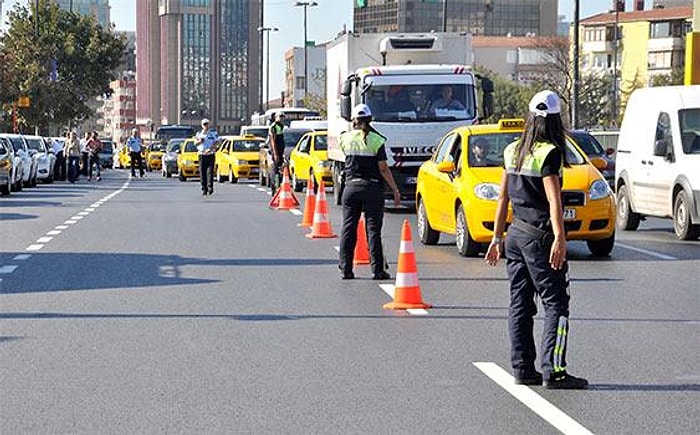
(294, 74)
(196, 59)
(98, 8)
(480, 17)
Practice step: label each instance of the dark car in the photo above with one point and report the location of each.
(291, 137)
(107, 152)
(594, 150)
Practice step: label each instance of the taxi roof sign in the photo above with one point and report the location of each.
(511, 123)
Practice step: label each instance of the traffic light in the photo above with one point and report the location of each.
(361, 4)
(620, 5)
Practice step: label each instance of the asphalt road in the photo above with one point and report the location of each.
(137, 306)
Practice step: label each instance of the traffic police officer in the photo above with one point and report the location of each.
(135, 145)
(276, 141)
(536, 245)
(206, 146)
(365, 167)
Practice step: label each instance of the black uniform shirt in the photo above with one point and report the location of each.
(362, 156)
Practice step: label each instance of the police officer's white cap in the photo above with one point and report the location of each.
(361, 111)
(545, 103)
(205, 121)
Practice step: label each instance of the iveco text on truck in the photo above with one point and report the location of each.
(418, 87)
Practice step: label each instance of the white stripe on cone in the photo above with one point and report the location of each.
(320, 217)
(404, 279)
(406, 246)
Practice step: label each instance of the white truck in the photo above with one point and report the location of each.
(418, 87)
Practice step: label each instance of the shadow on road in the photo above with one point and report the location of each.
(645, 387)
(16, 216)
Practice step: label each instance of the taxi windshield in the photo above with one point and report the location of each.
(174, 145)
(486, 150)
(190, 147)
(157, 146)
(321, 143)
(246, 145)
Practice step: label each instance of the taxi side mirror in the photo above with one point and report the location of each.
(446, 167)
(599, 163)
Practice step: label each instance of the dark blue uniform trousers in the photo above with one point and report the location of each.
(531, 274)
(359, 196)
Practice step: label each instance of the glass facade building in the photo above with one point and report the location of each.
(98, 8)
(479, 17)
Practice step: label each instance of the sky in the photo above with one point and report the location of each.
(323, 23)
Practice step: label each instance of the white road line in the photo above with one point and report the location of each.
(62, 227)
(532, 400)
(296, 212)
(22, 257)
(34, 247)
(95, 205)
(90, 209)
(44, 239)
(647, 252)
(389, 289)
(53, 233)
(70, 222)
(77, 218)
(83, 213)
(8, 269)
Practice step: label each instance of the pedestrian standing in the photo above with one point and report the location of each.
(365, 168)
(84, 154)
(59, 168)
(94, 146)
(135, 145)
(276, 140)
(206, 147)
(535, 247)
(71, 149)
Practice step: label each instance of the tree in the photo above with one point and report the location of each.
(510, 99)
(595, 101)
(316, 102)
(675, 77)
(58, 59)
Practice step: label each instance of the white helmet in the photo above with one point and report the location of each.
(361, 111)
(205, 121)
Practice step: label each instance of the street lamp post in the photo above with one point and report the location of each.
(267, 30)
(306, 5)
(616, 40)
(576, 68)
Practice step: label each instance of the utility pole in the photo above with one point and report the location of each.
(260, 88)
(576, 66)
(306, 5)
(444, 15)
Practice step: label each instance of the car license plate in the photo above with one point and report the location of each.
(569, 214)
(411, 180)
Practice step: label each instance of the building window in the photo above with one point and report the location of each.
(667, 29)
(299, 82)
(659, 60)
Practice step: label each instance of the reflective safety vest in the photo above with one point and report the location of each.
(353, 143)
(278, 131)
(532, 164)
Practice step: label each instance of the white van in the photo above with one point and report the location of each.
(658, 159)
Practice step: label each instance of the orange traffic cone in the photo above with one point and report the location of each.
(321, 227)
(309, 205)
(361, 255)
(284, 198)
(407, 290)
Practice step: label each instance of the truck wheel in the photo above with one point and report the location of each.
(428, 236)
(466, 246)
(682, 220)
(231, 177)
(626, 219)
(602, 247)
(338, 186)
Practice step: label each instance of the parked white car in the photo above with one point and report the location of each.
(658, 156)
(16, 169)
(43, 157)
(28, 163)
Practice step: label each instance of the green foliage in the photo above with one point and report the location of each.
(674, 78)
(317, 103)
(595, 101)
(510, 99)
(85, 53)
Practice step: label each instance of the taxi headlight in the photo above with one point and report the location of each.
(188, 162)
(241, 162)
(599, 190)
(487, 191)
(324, 164)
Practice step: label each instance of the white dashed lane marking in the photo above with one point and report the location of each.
(296, 212)
(646, 251)
(22, 257)
(389, 289)
(62, 227)
(34, 247)
(8, 269)
(53, 233)
(44, 239)
(70, 222)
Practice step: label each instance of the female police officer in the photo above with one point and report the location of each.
(365, 166)
(536, 245)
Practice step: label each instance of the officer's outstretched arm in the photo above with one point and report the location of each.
(552, 188)
(494, 252)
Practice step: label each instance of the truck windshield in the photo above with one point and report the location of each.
(412, 101)
(690, 130)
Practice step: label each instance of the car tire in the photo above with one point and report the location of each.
(428, 236)
(626, 219)
(231, 177)
(602, 247)
(466, 246)
(296, 185)
(682, 219)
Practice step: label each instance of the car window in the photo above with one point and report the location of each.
(689, 121)
(190, 147)
(444, 147)
(304, 145)
(587, 143)
(321, 143)
(492, 145)
(291, 137)
(174, 145)
(35, 144)
(17, 144)
(246, 145)
(3, 147)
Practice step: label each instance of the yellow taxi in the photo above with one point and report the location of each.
(309, 158)
(154, 156)
(457, 191)
(238, 157)
(188, 160)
